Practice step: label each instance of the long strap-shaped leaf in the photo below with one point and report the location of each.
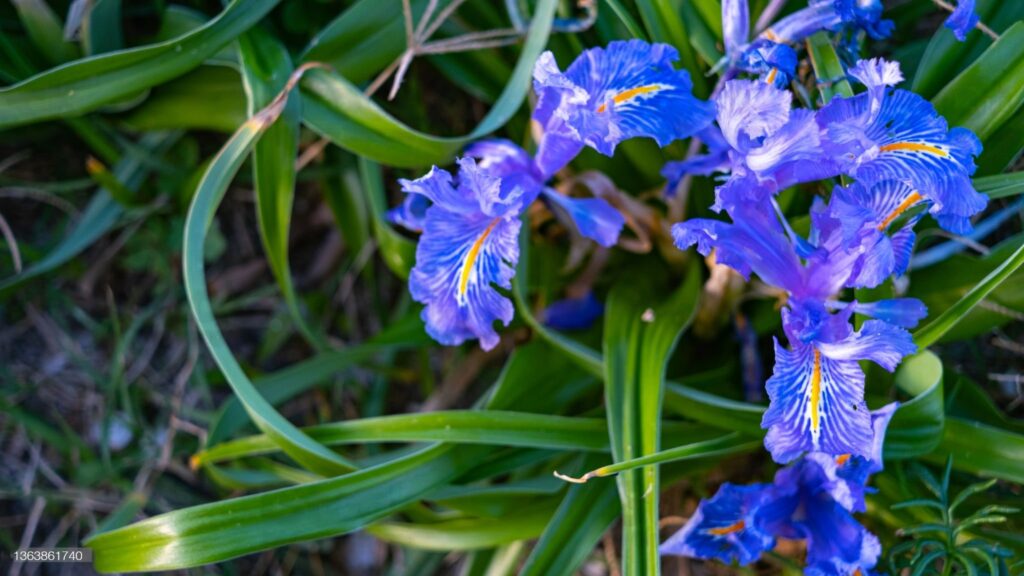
(500, 428)
(266, 66)
(990, 90)
(337, 109)
(230, 528)
(208, 196)
(930, 333)
(84, 85)
(637, 343)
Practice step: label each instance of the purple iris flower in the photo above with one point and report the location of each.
(773, 146)
(627, 90)
(869, 211)
(470, 243)
(963, 19)
(805, 508)
(816, 391)
(812, 499)
(775, 62)
(593, 217)
(470, 237)
(470, 228)
(834, 16)
(729, 526)
(886, 134)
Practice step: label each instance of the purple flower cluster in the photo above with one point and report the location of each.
(812, 500)
(902, 161)
(897, 160)
(470, 224)
(905, 161)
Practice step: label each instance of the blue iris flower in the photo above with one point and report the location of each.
(834, 16)
(728, 526)
(816, 391)
(469, 245)
(813, 499)
(469, 240)
(775, 62)
(870, 211)
(963, 19)
(627, 90)
(887, 134)
(773, 146)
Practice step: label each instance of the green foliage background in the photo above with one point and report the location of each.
(173, 115)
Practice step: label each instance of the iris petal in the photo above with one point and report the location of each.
(725, 527)
(626, 90)
(906, 141)
(963, 19)
(594, 217)
(817, 405)
(878, 341)
(470, 243)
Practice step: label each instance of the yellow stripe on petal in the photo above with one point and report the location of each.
(471, 256)
(842, 459)
(909, 201)
(771, 76)
(730, 529)
(913, 147)
(816, 395)
(627, 95)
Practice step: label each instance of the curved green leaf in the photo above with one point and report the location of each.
(990, 90)
(84, 85)
(297, 378)
(207, 98)
(637, 342)
(981, 449)
(101, 27)
(495, 427)
(465, 533)
(335, 108)
(917, 425)
(266, 66)
(230, 528)
(1001, 185)
(207, 198)
(46, 30)
(934, 330)
(398, 252)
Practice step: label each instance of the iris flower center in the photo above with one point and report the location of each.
(730, 529)
(909, 201)
(816, 393)
(471, 256)
(627, 95)
(913, 147)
